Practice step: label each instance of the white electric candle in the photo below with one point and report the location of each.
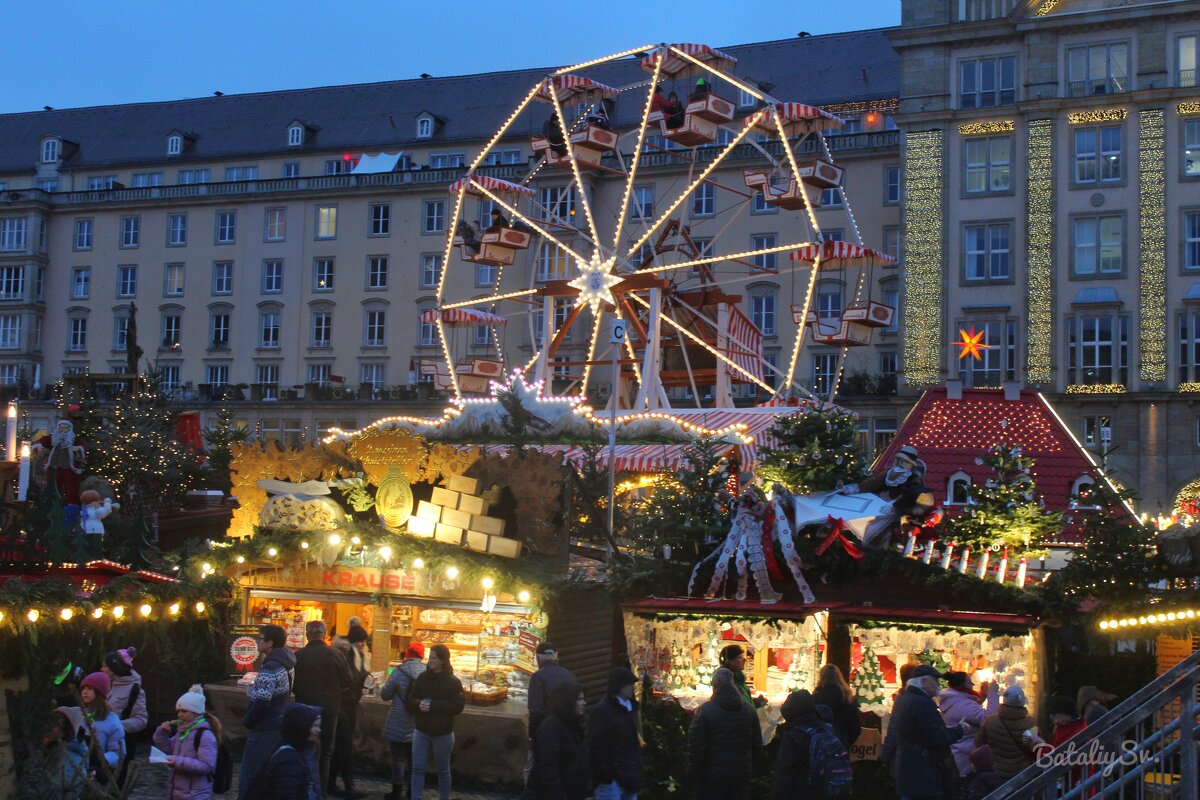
(10, 443)
(947, 555)
(23, 473)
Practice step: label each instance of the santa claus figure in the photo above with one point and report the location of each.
(903, 484)
(64, 460)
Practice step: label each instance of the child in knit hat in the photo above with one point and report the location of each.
(103, 725)
(191, 744)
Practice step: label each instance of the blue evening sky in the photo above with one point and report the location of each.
(85, 53)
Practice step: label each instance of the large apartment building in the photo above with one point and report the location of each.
(1052, 202)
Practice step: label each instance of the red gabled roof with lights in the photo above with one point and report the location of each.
(950, 434)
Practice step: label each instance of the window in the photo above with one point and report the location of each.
(120, 333)
(433, 218)
(381, 219)
(291, 169)
(891, 299)
(131, 231)
(987, 164)
(272, 276)
(426, 331)
(891, 185)
(704, 200)
(10, 332)
(1099, 246)
(173, 280)
(174, 146)
(326, 222)
(268, 325)
(377, 272)
(889, 364)
(987, 252)
(276, 224)
(223, 277)
(1098, 154)
(762, 310)
(831, 197)
(171, 330)
(447, 160)
(218, 330)
(216, 375)
(481, 335)
(829, 301)
(176, 230)
(10, 374)
(322, 274)
(537, 318)
(12, 283)
(188, 176)
(1098, 350)
(144, 179)
(553, 262)
(485, 274)
(431, 270)
(1185, 61)
(998, 362)
(340, 166)
(322, 329)
(13, 233)
(226, 227)
(987, 82)
(241, 173)
(1191, 148)
(319, 373)
(295, 135)
(168, 379)
(39, 284)
(373, 374)
(746, 100)
(424, 128)
(127, 281)
(557, 204)
(506, 156)
(267, 378)
(763, 261)
(759, 205)
(77, 341)
(101, 182)
(1189, 347)
(1191, 240)
(891, 242)
(642, 206)
(1097, 69)
(958, 489)
(81, 283)
(376, 333)
(84, 229)
(824, 370)
(49, 151)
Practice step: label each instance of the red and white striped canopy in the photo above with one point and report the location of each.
(842, 254)
(745, 346)
(567, 87)
(676, 66)
(798, 118)
(494, 185)
(463, 316)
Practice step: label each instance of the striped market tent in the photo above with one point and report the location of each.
(842, 254)
(797, 118)
(470, 185)
(570, 87)
(744, 345)
(463, 316)
(676, 66)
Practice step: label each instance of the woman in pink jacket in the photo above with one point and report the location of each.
(190, 743)
(961, 703)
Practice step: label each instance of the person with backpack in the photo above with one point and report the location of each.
(291, 773)
(107, 737)
(812, 762)
(191, 743)
(560, 769)
(923, 762)
(722, 740)
(127, 700)
(398, 730)
(269, 696)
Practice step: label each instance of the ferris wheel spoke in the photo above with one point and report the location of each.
(791, 158)
(637, 156)
(699, 262)
(441, 286)
(512, 210)
(802, 324)
(591, 353)
(745, 87)
(603, 59)
(583, 195)
(504, 128)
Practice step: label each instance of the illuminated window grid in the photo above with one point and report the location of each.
(1040, 244)
(923, 223)
(1152, 272)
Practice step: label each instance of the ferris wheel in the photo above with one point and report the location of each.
(578, 242)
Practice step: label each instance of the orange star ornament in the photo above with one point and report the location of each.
(971, 344)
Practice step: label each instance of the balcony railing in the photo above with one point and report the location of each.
(1098, 86)
(1187, 78)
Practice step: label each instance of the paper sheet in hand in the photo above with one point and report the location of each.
(157, 756)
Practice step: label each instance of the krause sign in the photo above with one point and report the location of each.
(342, 579)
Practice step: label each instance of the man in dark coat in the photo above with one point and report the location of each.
(614, 749)
(322, 680)
(549, 674)
(922, 738)
(722, 741)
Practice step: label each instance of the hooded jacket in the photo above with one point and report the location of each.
(270, 691)
(1002, 731)
(560, 769)
(922, 744)
(959, 706)
(195, 760)
(400, 724)
(791, 762)
(118, 698)
(446, 701)
(291, 773)
(614, 748)
(110, 738)
(721, 743)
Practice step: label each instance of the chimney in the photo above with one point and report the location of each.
(1012, 390)
(954, 389)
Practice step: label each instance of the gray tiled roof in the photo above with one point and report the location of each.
(818, 70)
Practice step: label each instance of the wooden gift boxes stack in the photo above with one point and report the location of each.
(457, 515)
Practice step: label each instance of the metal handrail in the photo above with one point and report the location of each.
(1119, 734)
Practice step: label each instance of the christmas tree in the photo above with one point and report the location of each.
(934, 658)
(868, 680)
(817, 451)
(799, 675)
(1005, 510)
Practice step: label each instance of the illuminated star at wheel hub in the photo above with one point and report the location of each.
(595, 282)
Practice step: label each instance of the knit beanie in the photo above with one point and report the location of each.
(120, 661)
(357, 633)
(98, 682)
(192, 700)
(1014, 696)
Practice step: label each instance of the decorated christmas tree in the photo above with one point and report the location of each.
(1005, 511)
(868, 680)
(934, 658)
(817, 451)
(799, 675)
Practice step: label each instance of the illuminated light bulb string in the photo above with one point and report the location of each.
(1040, 219)
(923, 159)
(1152, 254)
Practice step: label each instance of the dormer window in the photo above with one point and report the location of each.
(50, 151)
(958, 489)
(295, 136)
(424, 128)
(174, 145)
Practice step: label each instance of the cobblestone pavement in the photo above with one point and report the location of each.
(152, 785)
